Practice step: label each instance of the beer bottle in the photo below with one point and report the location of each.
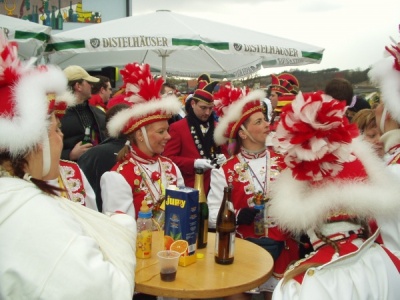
(70, 12)
(87, 139)
(202, 232)
(225, 230)
(60, 19)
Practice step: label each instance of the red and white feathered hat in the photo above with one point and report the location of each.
(386, 73)
(287, 86)
(234, 106)
(27, 94)
(147, 104)
(331, 175)
(285, 83)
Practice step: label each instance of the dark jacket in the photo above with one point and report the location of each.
(97, 160)
(74, 130)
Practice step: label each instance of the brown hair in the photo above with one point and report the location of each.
(239, 141)
(102, 83)
(122, 154)
(18, 164)
(340, 89)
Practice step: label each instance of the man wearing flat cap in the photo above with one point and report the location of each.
(81, 117)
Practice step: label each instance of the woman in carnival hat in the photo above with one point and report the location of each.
(50, 247)
(334, 184)
(141, 172)
(69, 177)
(386, 74)
(250, 170)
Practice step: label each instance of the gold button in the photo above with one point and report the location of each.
(310, 272)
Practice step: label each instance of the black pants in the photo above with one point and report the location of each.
(273, 247)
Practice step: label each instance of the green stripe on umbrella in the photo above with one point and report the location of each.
(65, 45)
(189, 42)
(24, 35)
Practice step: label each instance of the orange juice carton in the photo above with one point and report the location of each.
(181, 222)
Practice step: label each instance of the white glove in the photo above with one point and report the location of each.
(204, 164)
(221, 159)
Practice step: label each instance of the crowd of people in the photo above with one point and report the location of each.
(324, 167)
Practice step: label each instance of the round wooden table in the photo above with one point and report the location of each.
(205, 278)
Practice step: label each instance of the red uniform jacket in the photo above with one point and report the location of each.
(182, 150)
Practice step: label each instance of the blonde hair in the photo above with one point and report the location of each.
(364, 119)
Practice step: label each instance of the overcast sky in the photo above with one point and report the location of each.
(353, 32)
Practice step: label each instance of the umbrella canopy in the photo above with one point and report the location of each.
(31, 37)
(175, 44)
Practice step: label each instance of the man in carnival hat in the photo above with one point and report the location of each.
(283, 90)
(192, 143)
(332, 187)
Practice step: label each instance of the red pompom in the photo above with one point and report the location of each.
(155, 176)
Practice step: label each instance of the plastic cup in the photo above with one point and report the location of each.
(168, 261)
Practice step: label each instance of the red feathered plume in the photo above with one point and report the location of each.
(225, 96)
(315, 135)
(10, 71)
(139, 84)
(394, 50)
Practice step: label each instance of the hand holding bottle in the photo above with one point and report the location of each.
(203, 163)
(246, 215)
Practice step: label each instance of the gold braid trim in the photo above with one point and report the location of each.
(140, 122)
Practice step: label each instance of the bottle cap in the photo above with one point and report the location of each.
(145, 211)
(199, 170)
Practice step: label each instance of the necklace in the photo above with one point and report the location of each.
(261, 196)
(153, 181)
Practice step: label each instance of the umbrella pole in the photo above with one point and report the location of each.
(164, 67)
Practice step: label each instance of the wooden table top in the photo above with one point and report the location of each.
(205, 278)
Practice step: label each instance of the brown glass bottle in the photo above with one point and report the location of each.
(225, 230)
(202, 233)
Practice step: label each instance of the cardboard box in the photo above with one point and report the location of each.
(181, 220)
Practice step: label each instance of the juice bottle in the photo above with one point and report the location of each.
(144, 232)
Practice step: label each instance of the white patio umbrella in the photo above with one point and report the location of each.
(180, 45)
(31, 37)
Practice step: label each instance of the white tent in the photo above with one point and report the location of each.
(175, 44)
(31, 37)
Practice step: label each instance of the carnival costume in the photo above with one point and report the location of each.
(386, 74)
(192, 139)
(250, 174)
(140, 177)
(332, 186)
(50, 247)
(74, 184)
